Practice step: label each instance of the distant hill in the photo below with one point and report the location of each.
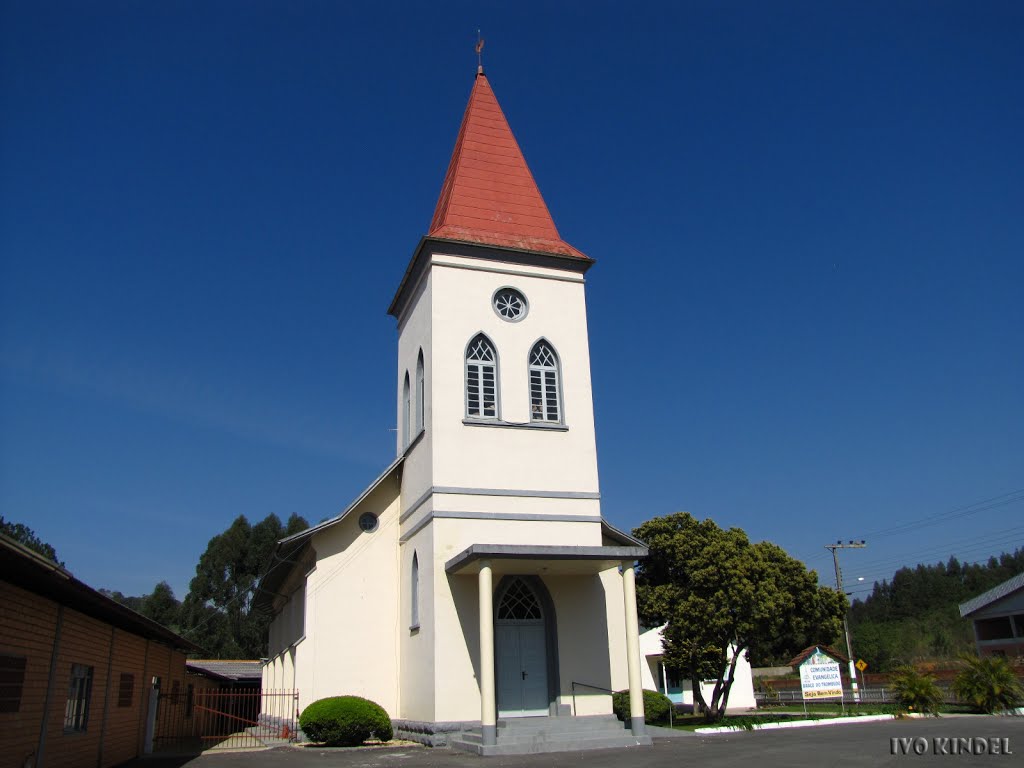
(915, 617)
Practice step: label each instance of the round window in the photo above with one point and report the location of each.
(368, 522)
(510, 304)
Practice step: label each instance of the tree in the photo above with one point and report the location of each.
(217, 614)
(161, 606)
(988, 684)
(24, 535)
(716, 590)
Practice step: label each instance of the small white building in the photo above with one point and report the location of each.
(475, 578)
(657, 678)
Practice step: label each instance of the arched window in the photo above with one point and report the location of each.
(406, 406)
(481, 379)
(519, 603)
(420, 400)
(545, 386)
(414, 593)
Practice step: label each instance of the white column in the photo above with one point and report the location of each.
(636, 695)
(488, 710)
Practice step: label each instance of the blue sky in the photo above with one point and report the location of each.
(805, 319)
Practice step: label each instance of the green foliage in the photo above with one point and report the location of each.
(715, 589)
(916, 691)
(161, 606)
(914, 617)
(345, 721)
(988, 684)
(26, 536)
(656, 706)
(216, 613)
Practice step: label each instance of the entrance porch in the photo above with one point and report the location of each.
(519, 671)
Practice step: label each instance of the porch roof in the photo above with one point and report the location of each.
(537, 559)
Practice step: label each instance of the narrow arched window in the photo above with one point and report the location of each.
(414, 593)
(406, 406)
(481, 379)
(420, 400)
(545, 384)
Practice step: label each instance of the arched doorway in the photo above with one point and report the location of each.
(524, 648)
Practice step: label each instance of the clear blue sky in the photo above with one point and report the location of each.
(806, 316)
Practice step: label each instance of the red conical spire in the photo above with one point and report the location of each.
(489, 195)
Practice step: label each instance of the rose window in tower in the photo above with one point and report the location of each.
(510, 304)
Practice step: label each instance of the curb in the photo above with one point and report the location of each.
(801, 724)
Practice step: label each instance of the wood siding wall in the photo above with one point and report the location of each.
(114, 732)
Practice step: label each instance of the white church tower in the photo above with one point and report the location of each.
(506, 595)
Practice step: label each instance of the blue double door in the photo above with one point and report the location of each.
(522, 668)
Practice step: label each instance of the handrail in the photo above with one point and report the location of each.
(585, 685)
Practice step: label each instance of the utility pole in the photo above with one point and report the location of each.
(846, 626)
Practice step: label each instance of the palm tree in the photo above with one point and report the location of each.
(917, 691)
(988, 683)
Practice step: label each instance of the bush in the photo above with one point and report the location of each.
(345, 721)
(916, 691)
(656, 706)
(988, 684)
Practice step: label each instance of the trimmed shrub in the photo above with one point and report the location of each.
(345, 721)
(656, 706)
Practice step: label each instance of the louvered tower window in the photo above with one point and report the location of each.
(545, 388)
(481, 379)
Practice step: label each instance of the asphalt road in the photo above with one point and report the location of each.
(842, 746)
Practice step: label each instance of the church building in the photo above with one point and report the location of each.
(473, 589)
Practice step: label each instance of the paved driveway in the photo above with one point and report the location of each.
(849, 745)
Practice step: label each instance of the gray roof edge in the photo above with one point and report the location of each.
(997, 592)
(614, 532)
(270, 580)
(542, 552)
(295, 537)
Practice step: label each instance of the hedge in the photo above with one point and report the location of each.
(345, 721)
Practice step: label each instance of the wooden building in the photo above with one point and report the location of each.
(77, 670)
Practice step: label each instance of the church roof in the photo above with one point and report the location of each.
(489, 195)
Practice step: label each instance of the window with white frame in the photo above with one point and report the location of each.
(420, 400)
(76, 710)
(481, 379)
(414, 593)
(545, 387)
(406, 407)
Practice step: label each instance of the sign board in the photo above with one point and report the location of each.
(861, 664)
(820, 677)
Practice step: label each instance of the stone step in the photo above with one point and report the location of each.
(596, 741)
(587, 722)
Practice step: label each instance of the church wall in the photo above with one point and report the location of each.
(509, 457)
(352, 612)
(585, 650)
(417, 679)
(414, 334)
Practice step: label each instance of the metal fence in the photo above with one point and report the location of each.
(880, 695)
(200, 720)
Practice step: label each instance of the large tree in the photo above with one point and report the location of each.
(716, 590)
(217, 614)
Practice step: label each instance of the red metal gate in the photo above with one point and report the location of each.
(198, 720)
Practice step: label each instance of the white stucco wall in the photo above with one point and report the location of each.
(506, 457)
(741, 695)
(351, 639)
